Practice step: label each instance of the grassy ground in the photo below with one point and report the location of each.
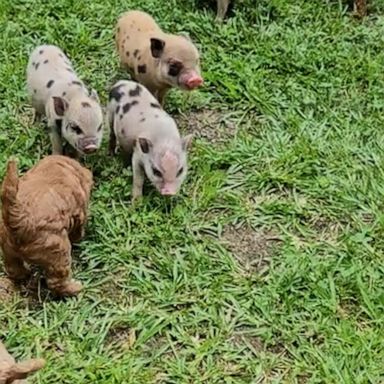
(268, 268)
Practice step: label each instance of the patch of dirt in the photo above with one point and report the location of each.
(122, 336)
(113, 289)
(212, 125)
(242, 339)
(252, 249)
(32, 290)
(7, 289)
(326, 231)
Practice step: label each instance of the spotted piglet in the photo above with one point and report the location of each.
(156, 59)
(74, 115)
(147, 134)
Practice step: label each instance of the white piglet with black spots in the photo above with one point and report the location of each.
(146, 133)
(74, 114)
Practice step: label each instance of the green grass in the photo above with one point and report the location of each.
(268, 268)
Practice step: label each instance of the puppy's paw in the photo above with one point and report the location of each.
(70, 288)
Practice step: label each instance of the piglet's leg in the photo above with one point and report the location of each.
(112, 135)
(55, 126)
(57, 147)
(138, 178)
(57, 266)
(37, 116)
(112, 141)
(222, 7)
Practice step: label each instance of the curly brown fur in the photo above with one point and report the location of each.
(360, 7)
(12, 372)
(43, 212)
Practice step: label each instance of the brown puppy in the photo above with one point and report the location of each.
(360, 7)
(154, 58)
(12, 372)
(43, 212)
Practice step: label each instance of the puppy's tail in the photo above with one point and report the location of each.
(9, 191)
(19, 371)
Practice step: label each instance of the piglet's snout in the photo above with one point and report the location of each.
(90, 149)
(89, 145)
(168, 190)
(191, 80)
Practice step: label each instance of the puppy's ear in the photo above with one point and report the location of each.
(59, 105)
(157, 47)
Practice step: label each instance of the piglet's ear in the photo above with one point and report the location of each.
(187, 142)
(157, 47)
(59, 105)
(145, 144)
(94, 96)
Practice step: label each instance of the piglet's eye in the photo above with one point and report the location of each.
(156, 172)
(180, 171)
(175, 68)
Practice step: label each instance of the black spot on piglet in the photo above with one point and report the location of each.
(50, 83)
(127, 106)
(41, 51)
(142, 68)
(75, 82)
(142, 120)
(135, 52)
(155, 105)
(85, 104)
(127, 53)
(115, 93)
(45, 61)
(135, 92)
(37, 65)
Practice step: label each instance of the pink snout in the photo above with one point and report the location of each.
(194, 82)
(90, 149)
(191, 80)
(168, 190)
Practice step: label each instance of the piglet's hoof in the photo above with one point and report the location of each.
(136, 198)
